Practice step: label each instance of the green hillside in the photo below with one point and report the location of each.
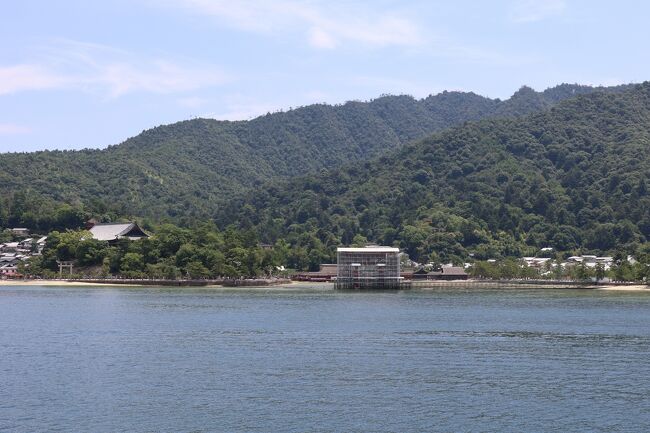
(186, 171)
(574, 177)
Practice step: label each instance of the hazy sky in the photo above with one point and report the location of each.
(77, 74)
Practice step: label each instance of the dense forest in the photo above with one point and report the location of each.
(574, 178)
(186, 171)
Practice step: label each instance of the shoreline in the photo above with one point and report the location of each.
(124, 284)
(146, 283)
(62, 283)
(252, 284)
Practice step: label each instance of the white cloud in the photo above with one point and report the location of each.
(324, 25)
(319, 38)
(526, 11)
(104, 70)
(21, 77)
(13, 129)
(157, 77)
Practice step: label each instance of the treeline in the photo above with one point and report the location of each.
(171, 253)
(205, 252)
(621, 270)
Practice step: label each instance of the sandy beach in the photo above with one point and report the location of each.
(50, 283)
(635, 288)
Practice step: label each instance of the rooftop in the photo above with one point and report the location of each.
(368, 250)
(111, 231)
(453, 270)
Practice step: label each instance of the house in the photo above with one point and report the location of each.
(420, 274)
(447, 273)
(9, 265)
(590, 261)
(111, 232)
(10, 271)
(26, 244)
(372, 267)
(453, 273)
(535, 262)
(20, 231)
(9, 247)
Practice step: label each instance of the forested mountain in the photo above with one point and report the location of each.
(574, 177)
(185, 171)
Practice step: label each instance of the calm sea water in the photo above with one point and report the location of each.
(157, 360)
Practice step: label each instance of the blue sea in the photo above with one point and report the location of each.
(310, 359)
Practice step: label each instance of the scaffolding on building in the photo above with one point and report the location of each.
(368, 268)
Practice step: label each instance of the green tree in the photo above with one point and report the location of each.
(90, 252)
(132, 265)
(599, 272)
(196, 269)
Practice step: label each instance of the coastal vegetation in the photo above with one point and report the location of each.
(205, 252)
(174, 252)
(621, 269)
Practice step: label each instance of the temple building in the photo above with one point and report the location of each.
(111, 232)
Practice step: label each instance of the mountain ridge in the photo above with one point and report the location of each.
(187, 170)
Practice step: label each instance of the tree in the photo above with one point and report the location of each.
(164, 269)
(582, 272)
(195, 269)
(90, 252)
(623, 271)
(599, 272)
(132, 264)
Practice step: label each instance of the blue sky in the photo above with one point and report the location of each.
(76, 74)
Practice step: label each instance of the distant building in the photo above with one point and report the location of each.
(327, 272)
(115, 231)
(368, 268)
(9, 247)
(420, 274)
(535, 262)
(9, 265)
(447, 273)
(453, 273)
(590, 261)
(26, 243)
(20, 231)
